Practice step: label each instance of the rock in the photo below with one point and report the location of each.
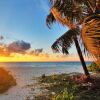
(43, 75)
(53, 93)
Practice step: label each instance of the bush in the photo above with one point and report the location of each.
(94, 67)
(6, 80)
(68, 93)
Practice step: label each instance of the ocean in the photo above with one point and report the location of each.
(43, 64)
(47, 67)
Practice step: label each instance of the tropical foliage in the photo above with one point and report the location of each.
(91, 36)
(70, 12)
(65, 41)
(94, 67)
(73, 13)
(64, 13)
(66, 95)
(69, 87)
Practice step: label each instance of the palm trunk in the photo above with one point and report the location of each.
(81, 58)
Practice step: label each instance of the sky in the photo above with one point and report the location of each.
(24, 35)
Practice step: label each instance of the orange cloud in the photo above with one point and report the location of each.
(18, 47)
(4, 51)
(16, 52)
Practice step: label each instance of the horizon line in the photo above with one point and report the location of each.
(39, 61)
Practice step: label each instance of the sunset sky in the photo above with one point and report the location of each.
(24, 35)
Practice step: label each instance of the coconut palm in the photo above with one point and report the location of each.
(65, 42)
(70, 14)
(73, 13)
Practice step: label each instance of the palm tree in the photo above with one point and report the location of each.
(73, 13)
(91, 36)
(66, 41)
(70, 13)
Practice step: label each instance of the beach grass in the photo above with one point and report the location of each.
(69, 87)
(6, 80)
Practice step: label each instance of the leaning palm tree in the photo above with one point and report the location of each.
(65, 42)
(73, 13)
(72, 19)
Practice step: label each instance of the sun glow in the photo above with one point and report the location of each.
(39, 58)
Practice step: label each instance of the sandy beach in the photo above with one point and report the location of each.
(26, 78)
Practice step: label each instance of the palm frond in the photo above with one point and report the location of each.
(50, 20)
(71, 9)
(91, 35)
(74, 10)
(63, 20)
(65, 41)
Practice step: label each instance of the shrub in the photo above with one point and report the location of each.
(68, 93)
(94, 67)
(6, 80)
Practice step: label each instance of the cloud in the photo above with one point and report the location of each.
(20, 51)
(36, 52)
(15, 47)
(21, 47)
(4, 51)
(18, 47)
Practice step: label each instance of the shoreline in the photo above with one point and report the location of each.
(27, 77)
(27, 80)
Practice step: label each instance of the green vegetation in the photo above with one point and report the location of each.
(68, 93)
(94, 67)
(6, 80)
(69, 87)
